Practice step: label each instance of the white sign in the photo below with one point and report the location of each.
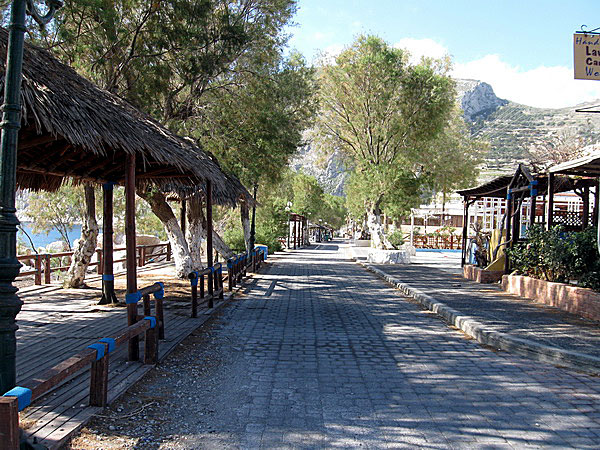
(586, 51)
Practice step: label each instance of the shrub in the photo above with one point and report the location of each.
(558, 256)
(396, 238)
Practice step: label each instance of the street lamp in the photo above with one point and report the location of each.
(10, 304)
(288, 208)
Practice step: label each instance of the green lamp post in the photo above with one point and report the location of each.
(10, 304)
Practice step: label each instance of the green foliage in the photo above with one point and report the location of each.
(234, 238)
(558, 256)
(255, 125)
(396, 238)
(381, 113)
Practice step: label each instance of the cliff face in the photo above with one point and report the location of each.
(477, 99)
(329, 173)
(511, 129)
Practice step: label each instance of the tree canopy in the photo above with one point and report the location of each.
(392, 122)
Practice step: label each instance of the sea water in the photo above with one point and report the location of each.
(43, 239)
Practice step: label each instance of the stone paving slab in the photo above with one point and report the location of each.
(493, 310)
(330, 356)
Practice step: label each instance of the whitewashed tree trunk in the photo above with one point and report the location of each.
(378, 238)
(245, 216)
(162, 210)
(86, 246)
(195, 231)
(199, 216)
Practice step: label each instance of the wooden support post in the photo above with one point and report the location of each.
(38, 269)
(216, 281)
(209, 240)
(586, 207)
(151, 345)
(134, 345)
(47, 272)
(222, 289)
(169, 251)
(160, 316)
(533, 210)
(517, 206)
(464, 231)
(182, 219)
(230, 278)
(99, 380)
(195, 298)
(99, 267)
(9, 423)
(201, 282)
(544, 210)
(142, 259)
(550, 215)
(509, 203)
(108, 281)
(596, 202)
(147, 308)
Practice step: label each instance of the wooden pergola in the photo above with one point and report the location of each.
(296, 230)
(523, 185)
(73, 130)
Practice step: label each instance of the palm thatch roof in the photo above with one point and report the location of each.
(73, 129)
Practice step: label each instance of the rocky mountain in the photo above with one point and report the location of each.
(511, 129)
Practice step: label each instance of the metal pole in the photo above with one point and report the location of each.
(253, 223)
(10, 304)
(134, 347)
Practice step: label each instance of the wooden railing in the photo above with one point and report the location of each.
(96, 356)
(238, 265)
(43, 261)
(438, 242)
(209, 291)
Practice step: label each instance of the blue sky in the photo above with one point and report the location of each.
(524, 48)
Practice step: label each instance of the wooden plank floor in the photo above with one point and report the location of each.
(55, 323)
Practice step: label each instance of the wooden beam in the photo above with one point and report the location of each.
(108, 283)
(36, 141)
(134, 347)
(550, 214)
(209, 239)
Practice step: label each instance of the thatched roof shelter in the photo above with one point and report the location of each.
(73, 129)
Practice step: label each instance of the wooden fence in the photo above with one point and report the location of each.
(438, 242)
(43, 269)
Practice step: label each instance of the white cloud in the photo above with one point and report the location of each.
(422, 47)
(547, 87)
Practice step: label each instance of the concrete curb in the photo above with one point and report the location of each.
(496, 339)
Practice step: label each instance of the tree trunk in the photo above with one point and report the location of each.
(196, 214)
(245, 215)
(443, 208)
(162, 210)
(195, 230)
(378, 238)
(86, 246)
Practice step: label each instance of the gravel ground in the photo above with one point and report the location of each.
(149, 416)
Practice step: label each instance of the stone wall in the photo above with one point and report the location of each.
(481, 276)
(573, 299)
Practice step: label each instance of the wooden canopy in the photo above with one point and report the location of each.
(585, 166)
(73, 129)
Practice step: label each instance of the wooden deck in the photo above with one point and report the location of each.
(56, 323)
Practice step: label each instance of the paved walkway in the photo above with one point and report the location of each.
(321, 353)
(500, 312)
